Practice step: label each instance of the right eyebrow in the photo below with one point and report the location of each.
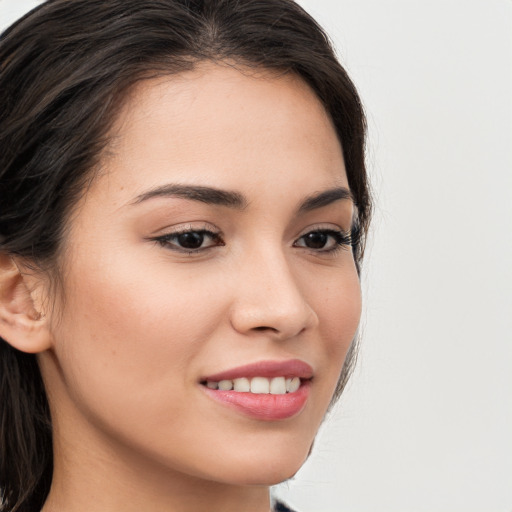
(326, 197)
(208, 195)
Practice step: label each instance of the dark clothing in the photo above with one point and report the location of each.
(281, 507)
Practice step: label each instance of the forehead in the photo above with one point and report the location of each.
(227, 127)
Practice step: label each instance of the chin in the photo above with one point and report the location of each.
(266, 471)
(267, 476)
(274, 477)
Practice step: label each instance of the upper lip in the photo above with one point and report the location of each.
(269, 369)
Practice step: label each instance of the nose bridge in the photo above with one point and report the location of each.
(269, 296)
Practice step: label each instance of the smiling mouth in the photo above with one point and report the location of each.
(261, 398)
(264, 390)
(257, 385)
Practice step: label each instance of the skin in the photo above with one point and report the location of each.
(138, 323)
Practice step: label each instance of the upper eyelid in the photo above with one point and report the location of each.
(186, 227)
(195, 230)
(326, 226)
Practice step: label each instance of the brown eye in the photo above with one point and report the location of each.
(316, 239)
(324, 240)
(191, 240)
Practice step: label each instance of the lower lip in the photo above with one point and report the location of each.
(266, 407)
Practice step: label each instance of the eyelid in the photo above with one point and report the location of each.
(184, 227)
(322, 226)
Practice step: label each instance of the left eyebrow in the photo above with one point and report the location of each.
(321, 199)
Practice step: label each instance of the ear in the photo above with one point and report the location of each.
(21, 324)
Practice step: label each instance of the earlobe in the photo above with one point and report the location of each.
(21, 324)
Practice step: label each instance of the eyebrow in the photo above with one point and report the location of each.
(231, 199)
(208, 195)
(325, 198)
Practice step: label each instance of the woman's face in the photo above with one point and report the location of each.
(213, 246)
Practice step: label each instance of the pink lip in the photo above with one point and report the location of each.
(266, 407)
(268, 369)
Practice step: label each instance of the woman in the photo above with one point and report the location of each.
(182, 216)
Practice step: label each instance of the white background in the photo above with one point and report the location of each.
(426, 424)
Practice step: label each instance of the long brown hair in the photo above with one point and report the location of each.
(64, 69)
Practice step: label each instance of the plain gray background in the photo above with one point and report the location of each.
(426, 424)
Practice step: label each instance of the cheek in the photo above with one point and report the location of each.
(338, 306)
(341, 319)
(129, 334)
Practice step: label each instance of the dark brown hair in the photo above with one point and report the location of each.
(64, 69)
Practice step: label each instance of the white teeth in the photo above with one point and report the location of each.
(292, 384)
(258, 385)
(278, 386)
(241, 384)
(226, 385)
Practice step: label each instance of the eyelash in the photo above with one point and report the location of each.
(167, 239)
(341, 238)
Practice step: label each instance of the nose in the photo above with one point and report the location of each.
(269, 299)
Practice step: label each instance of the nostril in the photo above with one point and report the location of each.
(265, 328)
